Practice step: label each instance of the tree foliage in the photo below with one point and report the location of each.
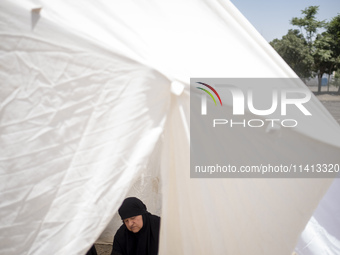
(293, 49)
(333, 30)
(309, 24)
(324, 58)
(308, 52)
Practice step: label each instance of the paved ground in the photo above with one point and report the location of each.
(331, 100)
(334, 108)
(103, 249)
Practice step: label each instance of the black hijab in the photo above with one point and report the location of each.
(145, 241)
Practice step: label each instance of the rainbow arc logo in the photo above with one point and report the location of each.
(204, 99)
(209, 93)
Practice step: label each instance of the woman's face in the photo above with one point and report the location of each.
(134, 224)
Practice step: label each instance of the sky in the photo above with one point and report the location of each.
(272, 17)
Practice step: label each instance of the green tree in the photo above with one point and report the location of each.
(321, 46)
(308, 24)
(307, 52)
(333, 30)
(324, 57)
(294, 50)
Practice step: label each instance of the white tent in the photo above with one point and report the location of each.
(95, 106)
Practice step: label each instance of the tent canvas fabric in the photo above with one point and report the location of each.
(95, 107)
(321, 234)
